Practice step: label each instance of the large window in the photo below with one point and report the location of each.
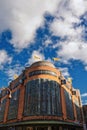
(78, 111)
(37, 72)
(4, 93)
(69, 105)
(13, 106)
(2, 109)
(42, 97)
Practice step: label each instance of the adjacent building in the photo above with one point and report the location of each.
(40, 99)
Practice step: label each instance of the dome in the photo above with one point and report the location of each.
(42, 63)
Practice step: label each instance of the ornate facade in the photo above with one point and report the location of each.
(41, 99)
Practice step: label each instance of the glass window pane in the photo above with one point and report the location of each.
(69, 105)
(2, 109)
(13, 106)
(78, 111)
(42, 97)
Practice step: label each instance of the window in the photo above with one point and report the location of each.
(69, 105)
(78, 111)
(13, 106)
(42, 97)
(2, 109)
(37, 72)
(3, 93)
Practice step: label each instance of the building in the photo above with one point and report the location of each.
(85, 114)
(40, 99)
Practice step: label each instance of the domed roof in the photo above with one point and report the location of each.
(42, 63)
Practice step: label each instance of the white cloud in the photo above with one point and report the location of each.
(67, 15)
(23, 17)
(74, 46)
(47, 42)
(11, 73)
(86, 68)
(73, 50)
(84, 102)
(4, 58)
(14, 70)
(78, 7)
(84, 95)
(38, 55)
(64, 28)
(65, 72)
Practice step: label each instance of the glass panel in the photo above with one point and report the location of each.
(4, 93)
(52, 96)
(13, 106)
(42, 97)
(78, 111)
(58, 100)
(48, 98)
(2, 109)
(69, 105)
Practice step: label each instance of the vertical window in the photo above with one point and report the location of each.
(2, 109)
(13, 106)
(78, 111)
(52, 96)
(58, 100)
(69, 105)
(48, 97)
(42, 97)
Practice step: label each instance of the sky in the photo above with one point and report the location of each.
(47, 29)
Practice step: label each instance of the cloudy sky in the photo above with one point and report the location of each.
(45, 28)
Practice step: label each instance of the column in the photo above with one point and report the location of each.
(21, 103)
(6, 110)
(63, 103)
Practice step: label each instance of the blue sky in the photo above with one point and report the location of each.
(46, 29)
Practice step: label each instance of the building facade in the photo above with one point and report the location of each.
(85, 114)
(40, 99)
